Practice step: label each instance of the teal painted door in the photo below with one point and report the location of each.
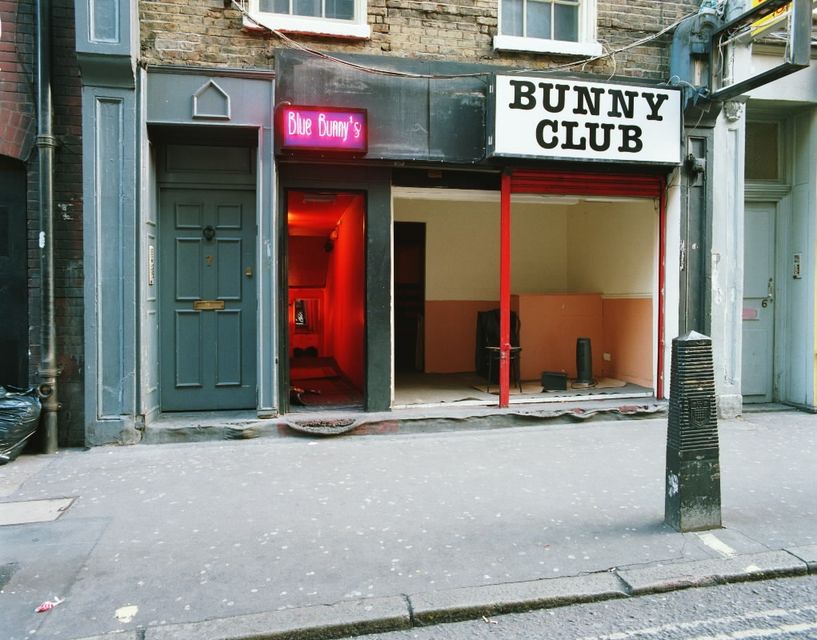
(757, 382)
(208, 300)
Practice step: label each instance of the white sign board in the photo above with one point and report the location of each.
(576, 120)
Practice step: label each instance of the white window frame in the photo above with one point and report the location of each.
(357, 28)
(585, 46)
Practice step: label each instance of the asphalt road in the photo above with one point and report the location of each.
(781, 609)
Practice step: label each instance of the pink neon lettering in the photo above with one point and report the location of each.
(324, 130)
(298, 126)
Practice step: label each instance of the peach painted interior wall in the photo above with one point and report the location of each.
(551, 323)
(451, 334)
(626, 322)
(586, 269)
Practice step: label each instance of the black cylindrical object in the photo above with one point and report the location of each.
(584, 361)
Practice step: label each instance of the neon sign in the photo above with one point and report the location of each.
(322, 129)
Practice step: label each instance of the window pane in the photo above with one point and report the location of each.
(274, 6)
(307, 8)
(761, 151)
(538, 19)
(566, 23)
(340, 9)
(511, 17)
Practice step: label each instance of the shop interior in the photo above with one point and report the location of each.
(326, 302)
(584, 282)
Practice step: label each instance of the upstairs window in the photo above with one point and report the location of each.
(332, 9)
(327, 17)
(548, 26)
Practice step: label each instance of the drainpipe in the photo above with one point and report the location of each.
(46, 142)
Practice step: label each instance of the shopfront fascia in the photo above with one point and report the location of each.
(440, 124)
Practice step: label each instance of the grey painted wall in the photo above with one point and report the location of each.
(110, 156)
(107, 45)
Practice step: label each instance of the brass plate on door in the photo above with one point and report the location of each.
(208, 305)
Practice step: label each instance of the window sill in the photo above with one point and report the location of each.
(312, 26)
(538, 45)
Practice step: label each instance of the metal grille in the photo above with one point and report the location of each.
(693, 421)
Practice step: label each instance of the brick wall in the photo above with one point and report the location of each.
(17, 115)
(18, 128)
(68, 283)
(210, 33)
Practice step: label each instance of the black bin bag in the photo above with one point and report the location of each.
(19, 415)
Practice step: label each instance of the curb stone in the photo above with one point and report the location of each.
(807, 554)
(472, 602)
(380, 615)
(119, 635)
(307, 623)
(702, 573)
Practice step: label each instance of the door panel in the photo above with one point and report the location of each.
(228, 324)
(229, 278)
(208, 299)
(188, 341)
(758, 302)
(188, 274)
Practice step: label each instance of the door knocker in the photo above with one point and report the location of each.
(208, 232)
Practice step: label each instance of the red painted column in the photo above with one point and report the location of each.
(662, 282)
(504, 289)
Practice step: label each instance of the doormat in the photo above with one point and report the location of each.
(325, 392)
(325, 427)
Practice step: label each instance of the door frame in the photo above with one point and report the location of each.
(635, 184)
(163, 173)
(283, 289)
(375, 184)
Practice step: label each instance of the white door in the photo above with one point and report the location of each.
(758, 302)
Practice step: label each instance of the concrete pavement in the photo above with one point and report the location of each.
(326, 537)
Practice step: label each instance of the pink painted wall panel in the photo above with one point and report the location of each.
(451, 333)
(628, 336)
(551, 324)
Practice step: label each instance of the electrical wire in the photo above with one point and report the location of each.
(436, 76)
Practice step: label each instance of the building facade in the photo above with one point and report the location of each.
(292, 201)
(37, 56)
(780, 213)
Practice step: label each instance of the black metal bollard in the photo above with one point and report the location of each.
(693, 481)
